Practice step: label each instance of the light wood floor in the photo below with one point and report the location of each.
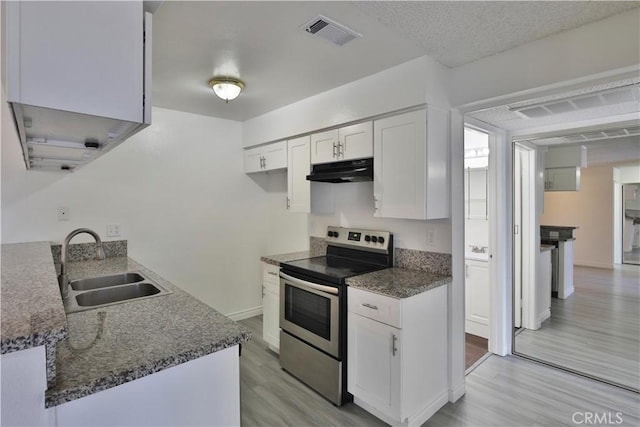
(596, 330)
(502, 391)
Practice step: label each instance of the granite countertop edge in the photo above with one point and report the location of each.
(58, 397)
(277, 259)
(398, 282)
(110, 378)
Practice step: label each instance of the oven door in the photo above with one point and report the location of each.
(310, 311)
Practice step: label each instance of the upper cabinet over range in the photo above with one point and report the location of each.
(347, 143)
(78, 77)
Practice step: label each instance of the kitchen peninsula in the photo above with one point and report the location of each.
(130, 363)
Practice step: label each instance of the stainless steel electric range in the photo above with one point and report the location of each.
(313, 307)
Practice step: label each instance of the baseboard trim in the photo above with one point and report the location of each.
(245, 314)
(581, 263)
(456, 392)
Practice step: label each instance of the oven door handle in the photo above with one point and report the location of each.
(327, 289)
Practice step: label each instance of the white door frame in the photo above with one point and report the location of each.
(499, 313)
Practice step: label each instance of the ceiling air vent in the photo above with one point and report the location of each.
(329, 30)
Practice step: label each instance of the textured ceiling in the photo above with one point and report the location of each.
(262, 44)
(455, 33)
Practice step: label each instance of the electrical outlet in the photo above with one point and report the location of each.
(63, 213)
(113, 230)
(431, 236)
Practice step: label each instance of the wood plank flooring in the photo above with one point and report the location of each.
(502, 391)
(475, 348)
(596, 330)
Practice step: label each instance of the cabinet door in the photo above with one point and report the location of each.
(275, 156)
(299, 166)
(356, 141)
(374, 360)
(324, 147)
(477, 298)
(562, 179)
(271, 315)
(399, 183)
(85, 57)
(253, 160)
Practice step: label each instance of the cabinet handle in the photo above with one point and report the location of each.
(466, 270)
(372, 307)
(335, 154)
(272, 273)
(288, 203)
(263, 292)
(394, 340)
(340, 150)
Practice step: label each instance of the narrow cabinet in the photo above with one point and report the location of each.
(397, 354)
(299, 166)
(477, 297)
(411, 165)
(347, 143)
(266, 157)
(271, 306)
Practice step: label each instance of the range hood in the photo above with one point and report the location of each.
(347, 171)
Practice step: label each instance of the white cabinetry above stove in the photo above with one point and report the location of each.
(78, 78)
(411, 158)
(347, 143)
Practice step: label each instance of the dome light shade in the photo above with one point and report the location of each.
(226, 88)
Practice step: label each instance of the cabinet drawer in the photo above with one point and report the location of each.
(270, 273)
(374, 306)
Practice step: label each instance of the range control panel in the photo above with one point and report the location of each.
(377, 241)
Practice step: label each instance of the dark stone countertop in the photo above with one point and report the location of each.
(115, 344)
(398, 282)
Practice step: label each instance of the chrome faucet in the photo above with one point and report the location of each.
(63, 279)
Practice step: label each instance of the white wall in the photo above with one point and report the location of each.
(412, 83)
(178, 191)
(354, 208)
(591, 209)
(599, 47)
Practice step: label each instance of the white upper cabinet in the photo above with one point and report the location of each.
(77, 72)
(266, 157)
(411, 165)
(299, 166)
(347, 143)
(562, 179)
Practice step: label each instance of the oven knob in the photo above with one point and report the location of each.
(374, 239)
(367, 238)
(330, 234)
(336, 234)
(381, 240)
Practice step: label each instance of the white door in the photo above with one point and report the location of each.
(477, 298)
(299, 166)
(374, 358)
(270, 314)
(275, 155)
(253, 160)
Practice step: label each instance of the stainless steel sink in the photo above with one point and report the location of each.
(105, 281)
(95, 292)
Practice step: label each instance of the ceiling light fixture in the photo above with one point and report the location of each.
(227, 88)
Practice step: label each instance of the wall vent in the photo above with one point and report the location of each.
(330, 30)
(605, 98)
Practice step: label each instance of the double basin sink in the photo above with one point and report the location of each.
(95, 292)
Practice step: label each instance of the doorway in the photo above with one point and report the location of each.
(476, 214)
(631, 223)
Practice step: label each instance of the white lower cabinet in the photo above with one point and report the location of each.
(477, 298)
(271, 306)
(397, 354)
